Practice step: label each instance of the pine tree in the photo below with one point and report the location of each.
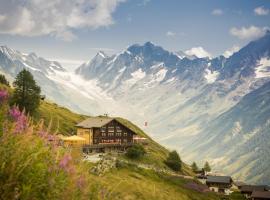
(194, 167)
(173, 161)
(27, 92)
(3, 80)
(207, 167)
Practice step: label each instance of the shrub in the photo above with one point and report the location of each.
(136, 151)
(3, 80)
(173, 161)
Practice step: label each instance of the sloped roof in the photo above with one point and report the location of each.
(219, 179)
(261, 194)
(94, 122)
(251, 188)
(98, 122)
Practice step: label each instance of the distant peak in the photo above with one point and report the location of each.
(32, 54)
(102, 54)
(149, 43)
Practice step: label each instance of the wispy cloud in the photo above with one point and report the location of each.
(248, 33)
(200, 52)
(170, 34)
(103, 49)
(217, 12)
(231, 51)
(261, 11)
(56, 18)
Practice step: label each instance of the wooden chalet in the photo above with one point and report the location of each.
(221, 184)
(103, 133)
(260, 195)
(247, 190)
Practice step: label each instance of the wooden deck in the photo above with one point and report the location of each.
(106, 146)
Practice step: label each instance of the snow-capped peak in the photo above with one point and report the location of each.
(102, 54)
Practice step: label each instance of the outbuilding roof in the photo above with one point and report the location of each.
(260, 194)
(219, 179)
(251, 188)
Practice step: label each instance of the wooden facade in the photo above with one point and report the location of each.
(105, 133)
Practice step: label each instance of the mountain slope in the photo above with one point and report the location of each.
(241, 135)
(178, 96)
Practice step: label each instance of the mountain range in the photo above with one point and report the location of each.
(214, 109)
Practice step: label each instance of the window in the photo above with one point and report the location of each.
(124, 140)
(118, 141)
(110, 129)
(118, 134)
(103, 134)
(103, 129)
(110, 134)
(125, 134)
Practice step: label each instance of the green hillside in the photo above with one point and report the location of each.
(130, 181)
(147, 178)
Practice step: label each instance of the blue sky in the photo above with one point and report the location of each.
(72, 34)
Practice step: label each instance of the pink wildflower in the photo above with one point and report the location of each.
(21, 123)
(15, 113)
(65, 161)
(19, 118)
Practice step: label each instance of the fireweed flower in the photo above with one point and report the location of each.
(3, 95)
(15, 113)
(21, 123)
(19, 118)
(65, 162)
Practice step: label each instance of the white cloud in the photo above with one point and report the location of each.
(68, 63)
(217, 12)
(230, 51)
(103, 49)
(248, 33)
(58, 18)
(261, 11)
(199, 52)
(170, 34)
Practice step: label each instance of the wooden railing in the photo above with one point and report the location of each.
(104, 145)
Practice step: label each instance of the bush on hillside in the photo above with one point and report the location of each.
(3, 80)
(173, 161)
(27, 92)
(136, 151)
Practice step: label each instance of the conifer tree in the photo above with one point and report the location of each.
(27, 92)
(194, 167)
(207, 167)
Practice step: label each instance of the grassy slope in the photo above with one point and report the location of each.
(136, 183)
(62, 120)
(128, 182)
(156, 153)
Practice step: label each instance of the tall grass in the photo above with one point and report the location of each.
(32, 163)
